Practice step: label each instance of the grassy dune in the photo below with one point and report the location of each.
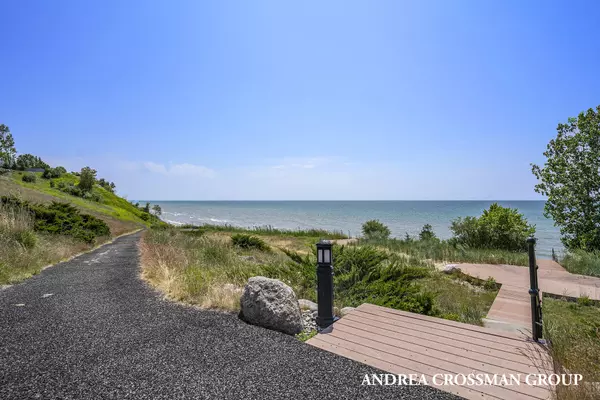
(207, 269)
(24, 251)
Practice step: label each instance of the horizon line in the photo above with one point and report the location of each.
(487, 200)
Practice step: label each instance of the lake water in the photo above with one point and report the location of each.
(400, 216)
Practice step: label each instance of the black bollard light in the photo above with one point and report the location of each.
(536, 309)
(324, 284)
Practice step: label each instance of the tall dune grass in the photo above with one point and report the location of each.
(445, 251)
(23, 252)
(573, 333)
(269, 230)
(582, 262)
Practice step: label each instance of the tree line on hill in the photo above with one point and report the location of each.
(10, 161)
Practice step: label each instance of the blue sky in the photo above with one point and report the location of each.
(298, 100)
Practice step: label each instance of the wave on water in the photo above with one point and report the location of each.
(172, 222)
(215, 220)
(176, 214)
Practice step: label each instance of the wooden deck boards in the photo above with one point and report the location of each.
(399, 342)
(405, 343)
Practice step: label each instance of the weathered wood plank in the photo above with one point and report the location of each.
(492, 339)
(518, 364)
(500, 337)
(435, 335)
(453, 365)
(331, 346)
(431, 367)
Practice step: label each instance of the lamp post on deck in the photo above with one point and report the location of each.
(324, 284)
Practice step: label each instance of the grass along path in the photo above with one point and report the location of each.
(573, 330)
(125, 341)
(208, 270)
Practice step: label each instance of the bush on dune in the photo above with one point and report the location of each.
(29, 178)
(375, 230)
(52, 173)
(498, 228)
(249, 242)
(368, 275)
(23, 251)
(61, 218)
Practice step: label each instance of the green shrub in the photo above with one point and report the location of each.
(585, 301)
(76, 191)
(374, 229)
(498, 228)
(92, 196)
(29, 177)
(71, 189)
(52, 173)
(61, 218)
(490, 284)
(249, 242)
(353, 264)
(427, 233)
(368, 275)
(401, 294)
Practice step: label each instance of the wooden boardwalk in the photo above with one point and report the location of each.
(399, 342)
(512, 307)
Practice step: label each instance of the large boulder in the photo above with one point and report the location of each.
(450, 268)
(272, 304)
(308, 305)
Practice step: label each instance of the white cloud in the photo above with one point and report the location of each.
(305, 178)
(153, 167)
(185, 169)
(192, 170)
(303, 162)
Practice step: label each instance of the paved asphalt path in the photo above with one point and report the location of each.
(91, 329)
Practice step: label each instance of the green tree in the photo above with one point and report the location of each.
(427, 233)
(25, 161)
(7, 147)
(374, 229)
(87, 179)
(157, 210)
(570, 178)
(497, 228)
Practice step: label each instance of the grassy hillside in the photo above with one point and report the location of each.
(117, 212)
(35, 232)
